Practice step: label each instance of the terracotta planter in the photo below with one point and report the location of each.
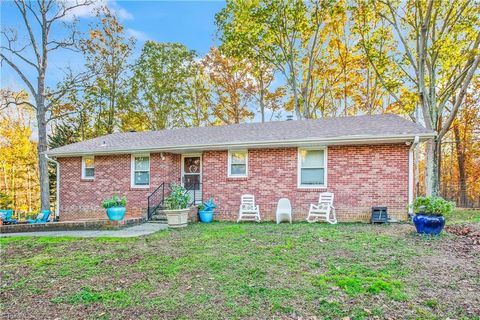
(177, 218)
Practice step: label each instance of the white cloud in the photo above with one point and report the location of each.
(123, 14)
(139, 35)
(88, 11)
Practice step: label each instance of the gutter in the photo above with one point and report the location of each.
(57, 198)
(411, 180)
(399, 138)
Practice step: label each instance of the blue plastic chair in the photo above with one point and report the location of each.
(41, 218)
(7, 216)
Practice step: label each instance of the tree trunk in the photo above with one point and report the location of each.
(431, 168)
(296, 104)
(262, 98)
(462, 179)
(42, 160)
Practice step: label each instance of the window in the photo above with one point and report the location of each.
(88, 167)
(140, 170)
(312, 168)
(237, 163)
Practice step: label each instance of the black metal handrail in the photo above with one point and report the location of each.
(196, 187)
(155, 200)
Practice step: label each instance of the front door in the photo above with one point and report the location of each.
(192, 176)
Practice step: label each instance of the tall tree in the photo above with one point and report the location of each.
(283, 34)
(466, 137)
(106, 51)
(437, 55)
(198, 100)
(159, 87)
(18, 168)
(39, 19)
(232, 87)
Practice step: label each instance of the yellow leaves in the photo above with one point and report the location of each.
(18, 174)
(407, 104)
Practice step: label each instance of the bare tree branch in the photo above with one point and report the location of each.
(19, 72)
(16, 52)
(23, 11)
(459, 97)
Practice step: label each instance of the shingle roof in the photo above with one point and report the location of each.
(359, 129)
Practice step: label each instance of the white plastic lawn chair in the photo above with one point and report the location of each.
(324, 210)
(284, 210)
(248, 210)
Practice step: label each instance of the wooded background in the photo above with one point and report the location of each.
(312, 59)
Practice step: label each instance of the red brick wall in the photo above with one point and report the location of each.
(81, 199)
(359, 176)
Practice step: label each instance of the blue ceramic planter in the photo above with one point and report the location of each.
(116, 213)
(431, 225)
(206, 216)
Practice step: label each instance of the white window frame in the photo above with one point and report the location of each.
(299, 169)
(84, 177)
(132, 170)
(230, 175)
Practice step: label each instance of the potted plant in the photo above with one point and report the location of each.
(115, 207)
(176, 207)
(429, 213)
(205, 211)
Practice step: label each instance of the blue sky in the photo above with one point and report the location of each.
(187, 22)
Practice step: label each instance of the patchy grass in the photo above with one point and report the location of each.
(462, 216)
(234, 271)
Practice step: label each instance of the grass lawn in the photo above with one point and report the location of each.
(228, 271)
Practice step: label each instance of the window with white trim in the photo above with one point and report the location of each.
(238, 163)
(140, 170)
(88, 167)
(312, 169)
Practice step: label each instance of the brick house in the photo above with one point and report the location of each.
(365, 161)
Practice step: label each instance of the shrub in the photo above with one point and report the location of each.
(178, 198)
(114, 201)
(433, 206)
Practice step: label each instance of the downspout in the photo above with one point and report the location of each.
(411, 182)
(57, 198)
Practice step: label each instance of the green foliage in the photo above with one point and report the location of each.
(177, 199)
(433, 206)
(106, 51)
(159, 96)
(114, 201)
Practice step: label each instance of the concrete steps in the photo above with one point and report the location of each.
(158, 216)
